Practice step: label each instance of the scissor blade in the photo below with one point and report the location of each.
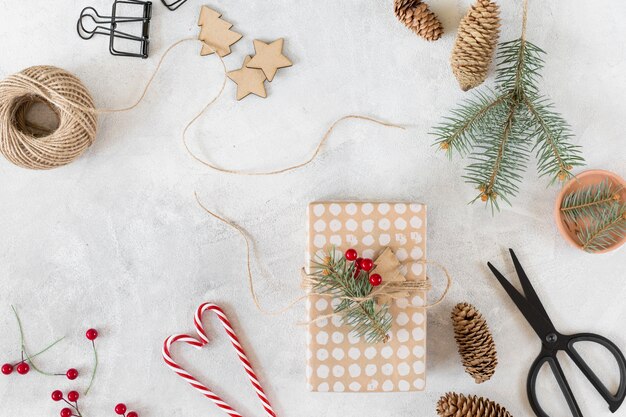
(540, 325)
(515, 295)
(529, 291)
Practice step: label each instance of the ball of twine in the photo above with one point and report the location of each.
(29, 145)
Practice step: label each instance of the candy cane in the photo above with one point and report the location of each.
(199, 343)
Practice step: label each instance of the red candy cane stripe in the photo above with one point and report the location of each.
(199, 343)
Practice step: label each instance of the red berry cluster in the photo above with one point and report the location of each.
(74, 410)
(363, 265)
(120, 409)
(23, 368)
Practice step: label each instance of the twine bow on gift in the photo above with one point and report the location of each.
(394, 285)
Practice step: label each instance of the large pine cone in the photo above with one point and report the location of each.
(416, 15)
(475, 43)
(458, 405)
(475, 343)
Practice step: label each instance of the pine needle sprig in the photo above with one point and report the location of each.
(590, 201)
(335, 276)
(499, 129)
(608, 230)
(461, 129)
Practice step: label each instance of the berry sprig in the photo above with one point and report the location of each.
(73, 409)
(24, 366)
(92, 335)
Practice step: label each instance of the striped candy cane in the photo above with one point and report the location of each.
(199, 343)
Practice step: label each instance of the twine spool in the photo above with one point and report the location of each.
(31, 146)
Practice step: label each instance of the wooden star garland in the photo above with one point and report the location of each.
(217, 37)
(215, 33)
(269, 57)
(248, 80)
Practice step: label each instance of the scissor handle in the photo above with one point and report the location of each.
(613, 400)
(550, 356)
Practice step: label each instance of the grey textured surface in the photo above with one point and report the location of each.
(116, 240)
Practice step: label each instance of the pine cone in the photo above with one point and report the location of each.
(458, 405)
(474, 341)
(416, 15)
(475, 43)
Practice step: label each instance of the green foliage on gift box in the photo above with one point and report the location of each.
(334, 277)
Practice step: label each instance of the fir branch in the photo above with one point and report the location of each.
(500, 128)
(590, 201)
(556, 155)
(335, 276)
(608, 230)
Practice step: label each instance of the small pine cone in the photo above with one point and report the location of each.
(416, 15)
(458, 405)
(474, 341)
(475, 43)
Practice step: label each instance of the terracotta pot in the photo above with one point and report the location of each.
(584, 179)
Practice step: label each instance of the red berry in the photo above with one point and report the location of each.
(66, 412)
(375, 280)
(73, 396)
(351, 254)
(132, 414)
(23, 368)
(7, 369)
(358, 262)
(91, 334)
(120, 409)
(367, 264)
(71, 374)
(57, 395)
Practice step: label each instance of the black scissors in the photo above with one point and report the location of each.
(552, 342)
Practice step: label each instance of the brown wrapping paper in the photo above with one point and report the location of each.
(336, 360)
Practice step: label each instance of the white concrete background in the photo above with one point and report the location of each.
(115, 240)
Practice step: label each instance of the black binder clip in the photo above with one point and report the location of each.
(133, 45)
(173, 4)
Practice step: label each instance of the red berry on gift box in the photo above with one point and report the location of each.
(71, 374)
(73, 396)
(57, 395)
(367, 264)
(91, 334)
(358, 262)
(66, 412)
(7, 369)
(375, 280)
(23, 368)
(132, 414)
(120, 409)
(351, 254)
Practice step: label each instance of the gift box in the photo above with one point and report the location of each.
(337, 360)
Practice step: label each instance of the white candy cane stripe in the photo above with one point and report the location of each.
(199, 343)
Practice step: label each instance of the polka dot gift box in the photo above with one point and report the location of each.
(337, 361)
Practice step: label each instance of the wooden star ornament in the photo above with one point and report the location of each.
(248, 80)
(269, 57)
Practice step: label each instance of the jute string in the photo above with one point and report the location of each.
(30, 146)
(391, 290)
